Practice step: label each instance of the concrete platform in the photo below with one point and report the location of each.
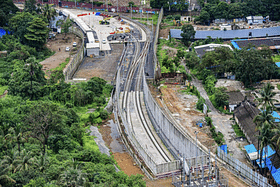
(140, 132)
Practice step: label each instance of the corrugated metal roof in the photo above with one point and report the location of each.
(230, 34)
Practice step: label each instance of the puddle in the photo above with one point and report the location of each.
(116, 145)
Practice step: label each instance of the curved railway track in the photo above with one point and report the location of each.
(133, 88)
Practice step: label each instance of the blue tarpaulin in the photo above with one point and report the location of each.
(3, 32)
(224, 148)
(97, 13)
(278, 64)
(276, 115)
(250, 148)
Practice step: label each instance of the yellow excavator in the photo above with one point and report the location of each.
(104, 21)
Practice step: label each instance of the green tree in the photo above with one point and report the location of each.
(265, 138)
(252, 66)
(73, 176)
(130, 3)
(65, 25)
(30, 6)
(48, 12)
(187, 34)
(16, 135)
(221, 97)
(5, 179)
(19, 24)
(204, 16)
(24, 161)
(38, 182)
(7, 10)
(267, 95)
(43, 119)
(37, 33)
(221, 10)
(28, 79)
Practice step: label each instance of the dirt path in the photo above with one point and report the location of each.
(60, 43)
(223, 123)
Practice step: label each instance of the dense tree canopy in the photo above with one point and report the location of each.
(187, 34)
(7, 9)
(219, 9)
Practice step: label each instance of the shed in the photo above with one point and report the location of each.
(186, 18)
(255, 19)
(234, 99)
(244, 115)
(92, 49)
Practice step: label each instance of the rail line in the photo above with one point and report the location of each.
(134, 75)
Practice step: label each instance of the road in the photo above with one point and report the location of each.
(222, 123)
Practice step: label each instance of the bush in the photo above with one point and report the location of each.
(199, 104)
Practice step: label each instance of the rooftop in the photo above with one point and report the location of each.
(231, 34)
(235, 98)
(245, 114)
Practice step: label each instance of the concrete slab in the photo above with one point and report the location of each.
(140, 132)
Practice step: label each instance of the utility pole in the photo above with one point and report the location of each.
(196, 132)
(117, 6)
(131, 11)
(147, 18)
(75, 4)
(92, 5)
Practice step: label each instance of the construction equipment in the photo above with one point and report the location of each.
(104, 21)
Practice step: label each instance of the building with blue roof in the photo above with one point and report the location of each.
(231, 34)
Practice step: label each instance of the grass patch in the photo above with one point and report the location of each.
(2, 89)
(62, 65)
(276, 58)
(238, 131)
(90, 144)
(278, 86)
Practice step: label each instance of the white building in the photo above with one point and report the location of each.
(255, 19)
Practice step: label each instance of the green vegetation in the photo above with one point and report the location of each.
(44, 123)
(218, 137)
(188, 34)
(238, 131)
(3, 89)
(217, 9)
(276, 58)
(143, 20)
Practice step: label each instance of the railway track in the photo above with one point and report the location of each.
(131, 97)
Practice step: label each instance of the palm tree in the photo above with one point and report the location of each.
(73, 177)
(24, 161)
(265, 138)
(4, 177)
(48, 12)
(267, 95)
(16, 135)
(10, 161)
(264, 116)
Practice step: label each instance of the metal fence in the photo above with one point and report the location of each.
(242, 169)
(157, 66)
(72, 67)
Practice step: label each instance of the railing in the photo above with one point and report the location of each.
(243, 170)
(72, 67)
(157, 70)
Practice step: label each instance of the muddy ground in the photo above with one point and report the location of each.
(60, 42)
(124, 160)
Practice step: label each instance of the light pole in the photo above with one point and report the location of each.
(117, 6)
(196, 132)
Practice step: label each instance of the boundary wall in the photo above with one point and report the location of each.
(72, 67)
(157, 69)
(242, 169)
(173, 136)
